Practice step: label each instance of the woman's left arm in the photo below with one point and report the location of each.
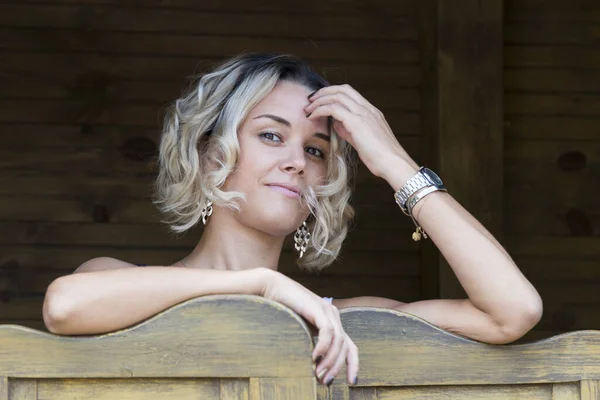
(502, 304)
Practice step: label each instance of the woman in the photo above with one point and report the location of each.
(261, 148)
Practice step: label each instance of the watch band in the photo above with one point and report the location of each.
(412, 186)
(423, 183)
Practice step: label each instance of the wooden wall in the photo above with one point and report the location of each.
(82, 89)
(552, 155)
(83, 85)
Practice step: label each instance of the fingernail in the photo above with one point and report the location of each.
(310, 95)
(355, 380)
(318, 359)
(329, 381)
(322, 373)
(308, 115)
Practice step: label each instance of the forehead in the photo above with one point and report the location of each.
(288, 100)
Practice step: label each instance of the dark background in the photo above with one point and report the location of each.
(501, 99)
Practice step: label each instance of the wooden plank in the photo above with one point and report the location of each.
(56, 261)
(590, 389)
(234, 389)
(558, 270)
(551, 56)
(550, 127)
(558, 80)
(323, 392)
(550, 152)
(152, 235)
(470, 136)
(553, 246)
(564, 221)
(378, 7)
(212, 341)
(24, 136)
(566, 391)
(22, 308)
(203, 45)
(552, 10)
(37, 324)
(109, 389)
(151, 91)
(23, 389)
(575, 104)
(536, 335)
(4, 388)
(429, 355)
(364, 393)
(388, 27)
(283, 388)
(70, 67)
(487, 392)
(552, 33)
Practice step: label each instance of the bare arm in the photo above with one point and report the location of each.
(502, 304)
(108, 294)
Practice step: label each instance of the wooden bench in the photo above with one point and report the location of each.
(247, 347)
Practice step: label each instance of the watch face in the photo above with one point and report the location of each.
(433, 177)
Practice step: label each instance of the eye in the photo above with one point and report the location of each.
(315, 152)
(270, 136)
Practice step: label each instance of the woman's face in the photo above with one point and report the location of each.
(281, 153)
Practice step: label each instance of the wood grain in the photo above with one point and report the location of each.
(377, 7)
(212, 340)
(421, 354)
(70, 16)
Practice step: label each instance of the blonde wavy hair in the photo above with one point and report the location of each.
(200, 132)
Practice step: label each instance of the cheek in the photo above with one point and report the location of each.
(318, 175)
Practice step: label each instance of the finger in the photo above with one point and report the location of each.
(335, 110)
(330, 358)
(337, 365)
(336, 345)
(346, 89)
(352, 362)
(341, 98)
(326, 337)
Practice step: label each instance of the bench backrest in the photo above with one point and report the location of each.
(247, 347)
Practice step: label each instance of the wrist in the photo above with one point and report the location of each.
(266, 279)
(398, 171)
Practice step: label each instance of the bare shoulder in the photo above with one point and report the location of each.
(103, 264)
(367, 301)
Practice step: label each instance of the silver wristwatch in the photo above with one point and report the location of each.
(422, 179)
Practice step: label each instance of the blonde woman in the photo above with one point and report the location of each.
(261, 148)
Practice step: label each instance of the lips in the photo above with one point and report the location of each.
(288, 190)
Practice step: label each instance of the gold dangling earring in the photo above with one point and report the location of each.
(301, 239)
(207, 211)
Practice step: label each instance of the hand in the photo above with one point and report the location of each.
(363, 126)
(334, 347)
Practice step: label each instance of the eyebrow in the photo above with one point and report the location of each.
(289, 125)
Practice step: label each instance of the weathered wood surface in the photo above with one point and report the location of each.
(399, 349)
(211, 336)
(247, 347)
(467, 143)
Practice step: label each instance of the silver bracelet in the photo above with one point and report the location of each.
(410, 204)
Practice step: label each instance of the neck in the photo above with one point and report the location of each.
(228, 245)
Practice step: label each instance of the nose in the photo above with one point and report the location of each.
(294, 161)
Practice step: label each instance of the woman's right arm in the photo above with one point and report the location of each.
(108, 294)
